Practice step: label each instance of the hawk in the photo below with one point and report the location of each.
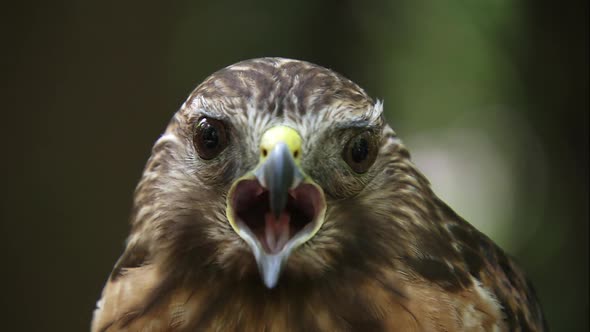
(278, 199)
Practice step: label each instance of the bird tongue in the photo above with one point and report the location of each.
(276, 231)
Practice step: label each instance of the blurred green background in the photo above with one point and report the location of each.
(491, 96)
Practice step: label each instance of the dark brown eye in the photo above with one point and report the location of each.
(360, 152)
(210, 138)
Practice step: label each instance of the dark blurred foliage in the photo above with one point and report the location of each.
(89, 86)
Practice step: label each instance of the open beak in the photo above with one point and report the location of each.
(276, 208)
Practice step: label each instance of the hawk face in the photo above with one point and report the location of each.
(267, 166)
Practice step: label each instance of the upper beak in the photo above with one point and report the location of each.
(278, 174)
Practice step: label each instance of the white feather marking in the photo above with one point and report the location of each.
(168, 138)
(490, 302)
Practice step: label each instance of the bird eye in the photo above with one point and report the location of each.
(210, 138)
(360, 152)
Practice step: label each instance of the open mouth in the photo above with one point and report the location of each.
(251, 206)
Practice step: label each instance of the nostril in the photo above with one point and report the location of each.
(264, 152)
(296, 154)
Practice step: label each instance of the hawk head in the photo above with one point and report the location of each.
(278, 185)
(272, 165)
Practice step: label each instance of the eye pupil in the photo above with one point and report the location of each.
(210, 137)
(360, 150)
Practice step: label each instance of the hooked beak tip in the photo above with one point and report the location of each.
(277, 207)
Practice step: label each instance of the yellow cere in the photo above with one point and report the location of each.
(281, 134)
